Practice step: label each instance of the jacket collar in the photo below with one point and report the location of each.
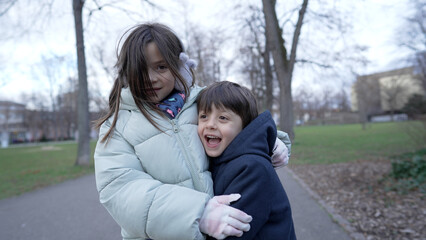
(128, 103)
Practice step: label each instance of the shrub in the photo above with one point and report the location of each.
(415, 105)
(409, 174)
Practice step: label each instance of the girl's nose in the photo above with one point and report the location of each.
(153, 75)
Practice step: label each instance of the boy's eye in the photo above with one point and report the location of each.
(202, 116)
(223, 118)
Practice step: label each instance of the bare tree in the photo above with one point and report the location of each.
(304, 101)
(104, 70)
(420, 69)
(412, 36)
(392, 91)
(51, 69)
(367, 97)
(36, 116)
(205, 47)
(313, 106)
(83, 153)
(283, 63)
(254, 54)
(325, 103)
(67, 108)
(341, 100)
(44, 12)
(330, 23)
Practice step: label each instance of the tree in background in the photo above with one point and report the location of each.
(412, 36)
(205, 47)
(392, 92)
(67, 108)
(316, 107)
(304, 109)
(416, 105)
(36, 116)
(283, 63)
(254, 55)
(367, 98)
(330, 51)
(83, 152)
(43, 13)
(342, 100)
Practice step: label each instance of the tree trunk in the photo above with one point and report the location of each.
(83, 157)
(283, 66)
(268, 78)
(286, 105)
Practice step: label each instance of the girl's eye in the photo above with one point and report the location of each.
(202, 116)
(161, 67)
(223, 118)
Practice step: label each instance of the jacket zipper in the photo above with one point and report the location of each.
(194, 174)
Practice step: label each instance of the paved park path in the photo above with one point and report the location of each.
(71, 211)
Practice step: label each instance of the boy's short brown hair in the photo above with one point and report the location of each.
(229, 95)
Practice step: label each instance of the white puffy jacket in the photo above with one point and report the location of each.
(154, 184)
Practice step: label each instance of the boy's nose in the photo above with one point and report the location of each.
(211, 124)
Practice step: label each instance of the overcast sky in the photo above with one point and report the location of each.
(374, 21)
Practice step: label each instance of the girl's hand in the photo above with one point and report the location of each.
(220, 220)
(280, 154)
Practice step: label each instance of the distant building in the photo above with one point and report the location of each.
(385, 92)
(12, 122)
(19, 125)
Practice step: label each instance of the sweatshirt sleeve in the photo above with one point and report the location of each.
(250, 179)
(142, 206)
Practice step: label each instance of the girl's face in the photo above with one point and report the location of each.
(162, 79)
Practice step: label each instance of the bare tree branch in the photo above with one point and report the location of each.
(314, 62)
(6, 6)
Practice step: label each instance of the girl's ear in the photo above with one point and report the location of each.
(185, 66)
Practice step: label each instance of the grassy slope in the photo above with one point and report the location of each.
(343, 143)
(26, 168)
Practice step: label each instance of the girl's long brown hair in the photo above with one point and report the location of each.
(132, 70)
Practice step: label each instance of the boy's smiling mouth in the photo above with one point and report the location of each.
(212, 141)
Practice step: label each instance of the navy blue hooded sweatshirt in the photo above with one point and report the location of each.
(245, 168)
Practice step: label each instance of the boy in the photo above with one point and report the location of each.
(239, 143)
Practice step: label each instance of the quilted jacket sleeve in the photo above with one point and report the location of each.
(141, 205)
(283, 136)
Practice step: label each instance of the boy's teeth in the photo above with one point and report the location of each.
(213, 139)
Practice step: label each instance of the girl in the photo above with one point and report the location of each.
(151, 170)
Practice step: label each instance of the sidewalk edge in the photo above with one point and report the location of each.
(329, 209)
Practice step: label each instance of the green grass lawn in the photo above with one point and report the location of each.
(344, 143)
(24, 169)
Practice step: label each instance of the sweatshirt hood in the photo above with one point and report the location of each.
(256, 138)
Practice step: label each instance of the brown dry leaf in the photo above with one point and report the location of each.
(356, 191)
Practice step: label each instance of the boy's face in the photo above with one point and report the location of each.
(161, 77)
(217, 129)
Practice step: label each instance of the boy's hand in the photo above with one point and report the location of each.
(220, 220)
(280, 154)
